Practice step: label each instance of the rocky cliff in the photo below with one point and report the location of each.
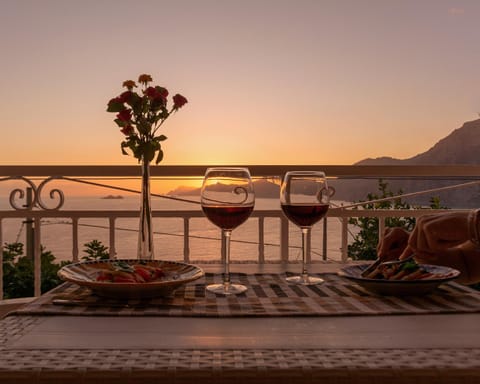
(462, 146)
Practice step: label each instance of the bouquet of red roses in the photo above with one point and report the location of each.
(140, 115)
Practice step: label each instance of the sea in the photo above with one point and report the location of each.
(205, 238)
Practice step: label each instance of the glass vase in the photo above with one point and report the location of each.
(145, 232)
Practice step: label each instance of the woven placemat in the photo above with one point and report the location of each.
(267, 295)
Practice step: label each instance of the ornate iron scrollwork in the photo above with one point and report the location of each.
(55, 192)
(19, 194)
(36, 200)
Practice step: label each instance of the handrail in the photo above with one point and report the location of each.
(179, 171)
(31, 172)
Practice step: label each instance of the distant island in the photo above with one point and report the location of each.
(112, 197)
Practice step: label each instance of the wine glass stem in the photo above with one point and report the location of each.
(226, 276)
(305, 250)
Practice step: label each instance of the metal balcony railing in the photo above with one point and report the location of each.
(37, 180)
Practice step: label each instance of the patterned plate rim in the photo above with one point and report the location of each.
(103, 284)
(344, 272)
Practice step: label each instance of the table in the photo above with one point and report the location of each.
(398, 348)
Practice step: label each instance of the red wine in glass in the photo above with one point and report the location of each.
(227, 217)
(305, 215)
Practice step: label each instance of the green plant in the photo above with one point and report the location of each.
(18, 271)
(95, 250)
(365, 240)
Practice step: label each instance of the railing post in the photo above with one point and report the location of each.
(344, 239)
(261, 240)
(1, 259)
(37, 262)
(75, 250)
(284, 239)
(324, 243)
(381, 227)
(186, 239)
(112, 251)
(30, 236)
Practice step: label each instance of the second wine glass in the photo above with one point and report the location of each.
(304, 198)
(227, 200)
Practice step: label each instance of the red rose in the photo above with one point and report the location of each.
(179, 101)
(125, 96)
(144, 79)
(125, 115)
(127, 131)
(151, 92)
(163, 92)
(129, 84)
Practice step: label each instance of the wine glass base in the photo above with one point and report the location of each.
(305, 280)
(226, 289)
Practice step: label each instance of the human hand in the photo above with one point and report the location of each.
(439, 232)
(393, 243)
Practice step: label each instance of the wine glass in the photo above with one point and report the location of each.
(304, 198)
(227, 200)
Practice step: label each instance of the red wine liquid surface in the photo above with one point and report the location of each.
(228, 217)
(305, 215)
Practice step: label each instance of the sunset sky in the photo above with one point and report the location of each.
(268, 81)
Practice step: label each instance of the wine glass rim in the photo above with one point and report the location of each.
(303, 173)
(227, 169)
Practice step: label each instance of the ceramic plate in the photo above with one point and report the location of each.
(176, 274)
(399, 287)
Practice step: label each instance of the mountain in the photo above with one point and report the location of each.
(462, 146)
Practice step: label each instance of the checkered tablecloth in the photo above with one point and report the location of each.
(267, 295)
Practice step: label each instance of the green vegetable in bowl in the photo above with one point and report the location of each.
(409, 266)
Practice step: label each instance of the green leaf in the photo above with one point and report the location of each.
(134, 100)
(159, 157)
(160, 138)
(123, 146)
(120, 123)
(115, 106)
(409, 266)
(137, 108)
(144, 127)
(164, 114)
(149, 155)
(122, 266)
(156, 105)
(145, 150)
(137, 152)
